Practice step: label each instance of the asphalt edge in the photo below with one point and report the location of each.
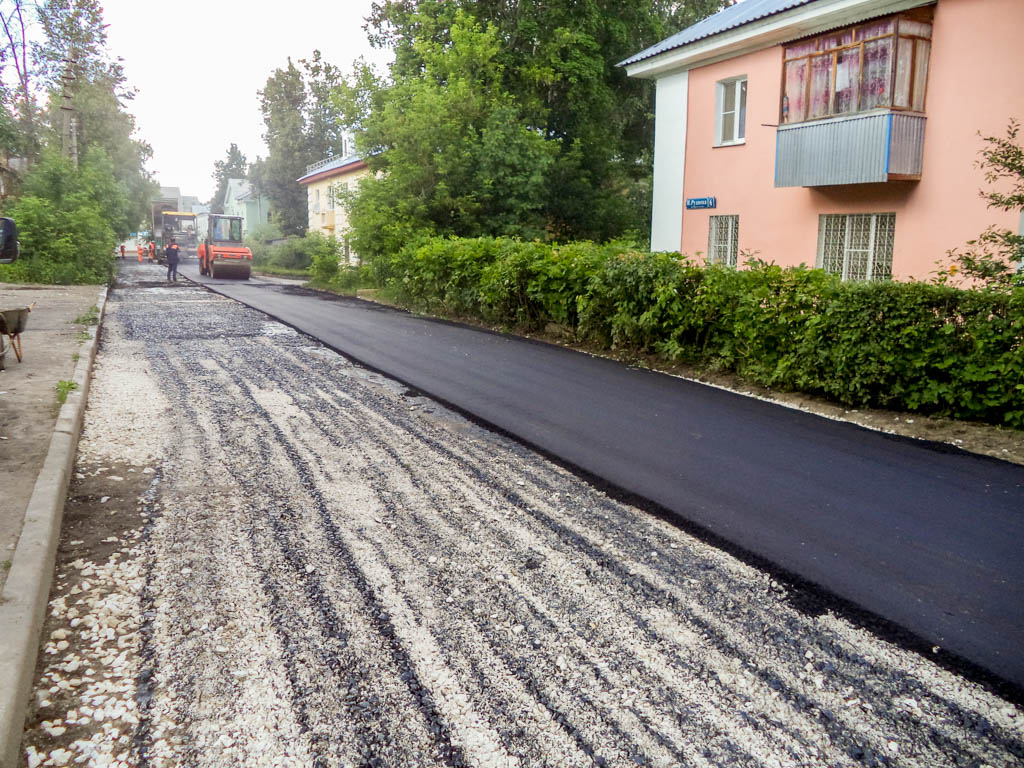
(27, 590)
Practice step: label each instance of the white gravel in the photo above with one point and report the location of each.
(338, 574)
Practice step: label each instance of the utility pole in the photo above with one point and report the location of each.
(69, 129)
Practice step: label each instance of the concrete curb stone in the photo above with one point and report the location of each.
(27, 590)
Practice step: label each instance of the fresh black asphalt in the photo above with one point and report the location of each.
(927, 537)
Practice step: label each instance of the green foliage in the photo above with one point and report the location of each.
(64, 388)
(89, 317)
(66, 218)
(295, 253)
(234, 166)
(996, 257)
(450, 151)
(912, 346)
(556, 67)
(303, 125)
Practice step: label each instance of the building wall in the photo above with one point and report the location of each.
(974, 84)
(324, 220)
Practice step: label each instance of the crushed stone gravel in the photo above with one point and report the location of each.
(329, 570)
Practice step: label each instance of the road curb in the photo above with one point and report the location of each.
(27, 590)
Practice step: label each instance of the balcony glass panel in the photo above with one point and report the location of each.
(877, 74)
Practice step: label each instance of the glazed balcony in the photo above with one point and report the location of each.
(860, 149)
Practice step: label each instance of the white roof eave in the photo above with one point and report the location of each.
(765, 33)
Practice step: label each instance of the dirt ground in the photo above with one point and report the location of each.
(28, 398)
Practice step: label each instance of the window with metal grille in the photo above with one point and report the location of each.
(857, 246)
(723, 237)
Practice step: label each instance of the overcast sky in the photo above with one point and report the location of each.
(198, 65)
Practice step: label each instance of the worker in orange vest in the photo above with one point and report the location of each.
(122, 250)
(138, 247)
(152, 251)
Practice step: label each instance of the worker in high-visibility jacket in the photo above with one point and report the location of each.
(152, 251)
(138, 247)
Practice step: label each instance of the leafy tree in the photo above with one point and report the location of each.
(558, 60)
(15, 47)
(234, 166)
(282, 103)
(67, 218)
(324, 126)
(454, 155)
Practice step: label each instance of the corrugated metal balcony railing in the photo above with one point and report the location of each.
(859, 149)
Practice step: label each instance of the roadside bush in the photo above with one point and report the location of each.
(66, 219)
(913, 346)
(60, 247)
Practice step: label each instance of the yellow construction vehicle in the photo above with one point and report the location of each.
(222, 254)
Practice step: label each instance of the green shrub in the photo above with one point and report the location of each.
(914, 346)
(60, 247)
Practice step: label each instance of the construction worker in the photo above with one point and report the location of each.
(152, 251)
(122, 250)
(171, 254)
(138, 247)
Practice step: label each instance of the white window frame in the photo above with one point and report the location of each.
(877, 238)
(730, 243)
(737, 116)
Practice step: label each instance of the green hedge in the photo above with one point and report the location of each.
(910, 346)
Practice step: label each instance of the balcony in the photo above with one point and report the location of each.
(857, 149)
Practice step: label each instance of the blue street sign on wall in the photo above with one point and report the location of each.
(699, 202)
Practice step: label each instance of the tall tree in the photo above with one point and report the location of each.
(282, 102)
(234, 166)
(15, 49)
(324, 127)
(454, 155)
(559, 62)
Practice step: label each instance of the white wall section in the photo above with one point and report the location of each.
(669, 161)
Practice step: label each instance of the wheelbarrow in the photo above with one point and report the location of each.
(12, 323)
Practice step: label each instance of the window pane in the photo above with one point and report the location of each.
(847, 81)
(801, 49)
(876, 28)
(904, 61)
(885, 231)
(836, 40)
(728, 97)
(921, 74)
(821, 86)
(741, 123)
(833, 234)
(723, 236)
(728, 118)
(877, 74)
(916, 28)
(794, 101)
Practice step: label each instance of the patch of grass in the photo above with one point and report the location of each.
(83, 335)
(63, 388)
(74, 357)
(90, 317)
(6, 565)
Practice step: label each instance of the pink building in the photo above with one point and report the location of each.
(836, 133)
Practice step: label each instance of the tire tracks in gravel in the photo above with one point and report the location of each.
(544, 631)
(651, 591)
(776, 681)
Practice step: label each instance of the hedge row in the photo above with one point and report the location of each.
(909, 346)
